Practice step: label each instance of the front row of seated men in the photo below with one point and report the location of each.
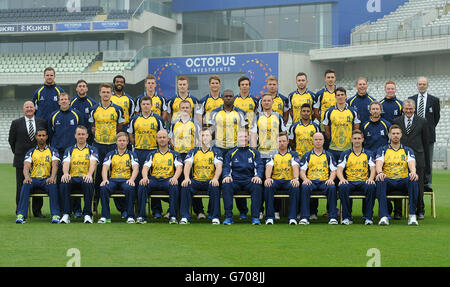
(240, 169)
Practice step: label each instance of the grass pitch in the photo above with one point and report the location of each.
(200, 244)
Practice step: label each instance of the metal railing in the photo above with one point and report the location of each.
(400, 35)
(253, 46)
(154, 7)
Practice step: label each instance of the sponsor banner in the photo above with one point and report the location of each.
(110, 25)
(255, 66)
(73, 26)
(35, 28)
(8, 28)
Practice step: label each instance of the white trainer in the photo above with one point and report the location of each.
(333, 221)
(303, 221)
(131, 220)
(65, 219)
(269, 221)
(368, 222)
(292, 222)
(313, 217)
(412, 220)
(383, 221)
(183, 220)
(346, 221)
(261, 216)
(215, 221)
(87, 219)
(277, 216)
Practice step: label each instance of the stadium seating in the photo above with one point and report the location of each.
(48, 14)
(120, 14)
(116, 67)
(37, 62)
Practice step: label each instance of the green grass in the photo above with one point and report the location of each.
(39, 243)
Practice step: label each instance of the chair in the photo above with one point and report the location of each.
(433, 202)
(400, 195)
(356, 195)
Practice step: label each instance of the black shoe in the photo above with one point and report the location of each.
(39, 215)
(420, 216)
(397, 216)
(427, 189)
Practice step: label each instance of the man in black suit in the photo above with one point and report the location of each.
(21, 139)
(415, 136)
(428, 107)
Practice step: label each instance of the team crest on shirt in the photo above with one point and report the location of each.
(396, 112)
(86, 110)
(55, 98)
(382, 132)
(368, 134)
(250, 160)
(72, 122)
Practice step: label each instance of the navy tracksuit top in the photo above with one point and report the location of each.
(243, 163)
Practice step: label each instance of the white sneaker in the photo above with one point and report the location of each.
(261, 216)
(102, 220)
(292, 222)
(166, 216)
(65, 219)
(269, 221)
(346, 222)
(304, 221)
(412, 220)
(333, 221)
(313, 217)
(183, 220)
(215, 221)
(368, 222)
(277, 216)
(201, 216)
(87, 219)
(383, 221)
(131, 220)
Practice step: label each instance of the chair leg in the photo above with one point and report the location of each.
(406, 208)
(340, 208)
(433, 205)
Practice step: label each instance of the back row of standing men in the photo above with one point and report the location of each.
(336, 114)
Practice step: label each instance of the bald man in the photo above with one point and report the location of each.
(161, 171)
(21, 139)
(318, 171)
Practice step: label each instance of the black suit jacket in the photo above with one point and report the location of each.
(432, 114)
(20, 141)
(417, 139)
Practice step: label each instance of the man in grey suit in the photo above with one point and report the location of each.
(21, 139)
(428, 107)
(415, 136)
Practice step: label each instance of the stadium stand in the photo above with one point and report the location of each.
(37, 62)
(10, 110)
(404, 12)
(120, 14)
(47, 14)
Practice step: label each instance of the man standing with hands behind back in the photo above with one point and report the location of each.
(428, 107)
(21, 139)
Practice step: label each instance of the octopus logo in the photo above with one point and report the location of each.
(257, 71)
(162, 71)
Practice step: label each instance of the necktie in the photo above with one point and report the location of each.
(421, 107)
(408, 127)
(30, 130)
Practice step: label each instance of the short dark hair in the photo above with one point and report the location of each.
(330, 71)
(305, 105)
(81, 81)
(283, 134)
(39, 129)
(119, 77)
(341, 89)
(210, 130)
(301, 74)
(244, 78)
